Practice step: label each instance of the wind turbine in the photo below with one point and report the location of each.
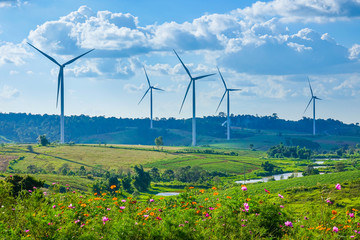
(227, 91)
(313, 98)
(61, 86)
(151, 101)
(192, 81)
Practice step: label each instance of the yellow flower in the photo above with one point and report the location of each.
(83, 205)
(103, 194)
(113, 186)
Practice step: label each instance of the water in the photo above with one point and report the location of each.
(276, 176)
(168, 194)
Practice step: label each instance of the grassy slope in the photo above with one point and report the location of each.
(119, 156)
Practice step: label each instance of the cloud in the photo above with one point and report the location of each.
(8, 92)
(354, 52)
(13, 53)
(134, 88)
(302, 10)
(240, 40)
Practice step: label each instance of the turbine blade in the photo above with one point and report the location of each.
(186, 69)
(187, 90)
(221, 77)
(144, 95)
(221, 101)
(318, 98)
(147, 78)
(207, 75)
(51, 59)
(234, 89)
(158, 89)
(312, 95)
(308, 105)
(59, 83)
(74, 59)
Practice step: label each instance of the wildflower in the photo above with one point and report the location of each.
(243, 187)
(338, 186)
(108, 209)
(71, 206)
(158, 218)
(104, 194)
(45, 193)
(206, 199)
(114, 198)
(216, 193)
(288, 224)
(27, 230)
(306, 218)
(53, 183)
(105, 219)
(113, 186)
(191, 187)
(202, 190)
(267, 191)
(228, 197)
(211, 208)
(181, 225)
(34, 187)
(335, 229)
(281, 196)
(351, 215)
(328, 201)
(54, 206)
(122, 207)
(281, 206)
(123, 200)
(333, 212)
(207, 215)
(76, 221)
(145, 216)
(82, 225)
(30, 191)
(302, 226)
(213, 188)
(246, 206)
(151, 200)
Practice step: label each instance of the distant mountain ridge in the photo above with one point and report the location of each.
(25, 128)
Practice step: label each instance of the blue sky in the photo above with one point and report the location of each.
(266, 48)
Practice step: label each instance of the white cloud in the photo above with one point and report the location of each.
(354, 52)
(134, 88)
(13, 53)
(302, 10)
(8, 92)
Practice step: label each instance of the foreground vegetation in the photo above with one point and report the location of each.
(239, 212)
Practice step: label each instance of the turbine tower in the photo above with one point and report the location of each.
(192, 81)
(227, 91)
(313, 98)
(151, 101)
(60, 86)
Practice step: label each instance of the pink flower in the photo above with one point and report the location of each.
(45, 193)
(30, 191)
(145, 216)
(71, 206)
(267, 191)
(281, 206)
(54, 206)
(158, 218)
(289, 224)
(27, 230)
(335, 229)
(211, 208)
(123, 200)
(53, 183)
(246, 206)
(281, 196)
(207, 215)
(76, 221)
(338, 186)
(108, 209)
(34, 187)
(82, 225)
(151, 200)
(244, 188)
(105, 219)
(351, 215)
(122, 207)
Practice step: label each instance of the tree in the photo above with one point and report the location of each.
(142, 179)
(251, 146)
(43, 140)
(168, 175)
(268, 166)
(339, 166)
(159, 141)
(154, 174)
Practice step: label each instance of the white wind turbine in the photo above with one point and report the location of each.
(60, 86)
(151, 100)
(227, 91)
(192, 81)
(313, 98)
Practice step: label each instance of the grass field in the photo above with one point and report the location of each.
(125, 156)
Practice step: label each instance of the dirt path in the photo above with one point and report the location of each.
(4, 161)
